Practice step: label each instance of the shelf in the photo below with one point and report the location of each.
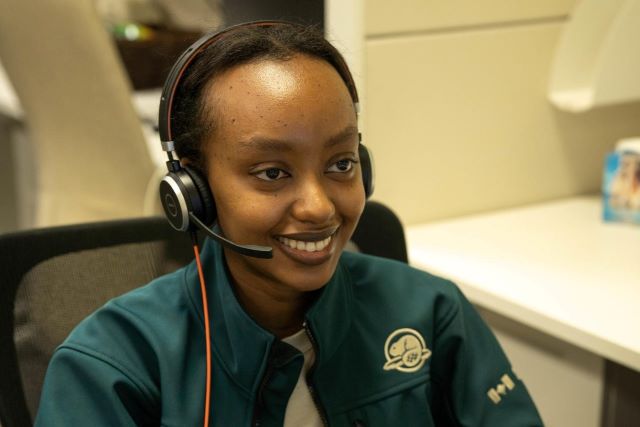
(555, 267)
(597, 60)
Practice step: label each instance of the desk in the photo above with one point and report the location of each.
(555, 267)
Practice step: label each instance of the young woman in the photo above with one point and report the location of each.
(264, 116)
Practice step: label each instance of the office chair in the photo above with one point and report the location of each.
(380, 233)
(52, 278)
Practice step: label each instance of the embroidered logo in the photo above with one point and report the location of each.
(405, 350)
(506, 384)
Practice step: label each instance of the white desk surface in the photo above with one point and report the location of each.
(555, 267)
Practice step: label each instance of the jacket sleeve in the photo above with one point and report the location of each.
(473, 375)
(84, 388)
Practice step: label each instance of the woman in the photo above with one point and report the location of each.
(311, 337)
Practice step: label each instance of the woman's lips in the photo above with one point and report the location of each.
(312, 250)
(308, 246)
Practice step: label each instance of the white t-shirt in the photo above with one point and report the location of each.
(301, 411)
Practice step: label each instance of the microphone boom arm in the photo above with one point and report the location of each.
(264, 252)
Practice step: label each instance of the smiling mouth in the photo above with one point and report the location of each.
(306, 245)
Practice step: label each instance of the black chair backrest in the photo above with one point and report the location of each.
(50, 279)
(54, 277)
(380, 233)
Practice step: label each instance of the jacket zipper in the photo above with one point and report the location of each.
(257, 409)
(310, 385)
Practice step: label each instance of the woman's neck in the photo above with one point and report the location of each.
(281, 313)
(278, 307)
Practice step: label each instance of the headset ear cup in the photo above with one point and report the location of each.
(366, 166)
(208, 206)
(180, 196)
(173, 196)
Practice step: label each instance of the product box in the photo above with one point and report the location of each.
(621, 183)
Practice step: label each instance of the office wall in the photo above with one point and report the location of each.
(456, 108)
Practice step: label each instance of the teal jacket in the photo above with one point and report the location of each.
(394, 346)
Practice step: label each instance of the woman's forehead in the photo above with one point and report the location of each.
(273, 81)
(281, 99)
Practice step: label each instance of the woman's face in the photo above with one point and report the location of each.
(283, 168)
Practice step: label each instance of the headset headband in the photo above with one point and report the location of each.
(189, 55)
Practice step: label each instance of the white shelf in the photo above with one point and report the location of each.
(597, 60)
(555, 267)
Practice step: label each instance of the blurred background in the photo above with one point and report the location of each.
(470, 107)
(457, 99)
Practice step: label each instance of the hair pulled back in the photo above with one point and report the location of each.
(191, 119)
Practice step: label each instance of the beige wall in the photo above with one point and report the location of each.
(456, 108)
(402, 16)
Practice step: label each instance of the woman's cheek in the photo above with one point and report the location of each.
(351, 200)
(244, 213)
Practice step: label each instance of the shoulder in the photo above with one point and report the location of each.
(386, 280)
(371, 271)
(165, 295)
(168, 295)
(130, 329)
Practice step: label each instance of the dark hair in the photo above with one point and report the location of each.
(191, 121)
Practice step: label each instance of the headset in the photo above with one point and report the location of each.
(185, 194)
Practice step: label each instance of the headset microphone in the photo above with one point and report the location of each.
(248, 250)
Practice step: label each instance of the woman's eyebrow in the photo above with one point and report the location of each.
(343, 136)
(277, 145)
(265, 144)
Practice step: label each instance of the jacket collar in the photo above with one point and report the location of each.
(238, 342)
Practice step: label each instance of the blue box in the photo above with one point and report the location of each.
(621, 187)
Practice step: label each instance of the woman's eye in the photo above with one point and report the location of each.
(341, 166)
(271, 174)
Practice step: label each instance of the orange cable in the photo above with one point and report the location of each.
(205, 309)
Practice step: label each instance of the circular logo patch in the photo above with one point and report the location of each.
(405, 350)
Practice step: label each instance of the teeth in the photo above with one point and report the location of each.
(304, 245)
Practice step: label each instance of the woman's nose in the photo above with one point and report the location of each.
(313, 203)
